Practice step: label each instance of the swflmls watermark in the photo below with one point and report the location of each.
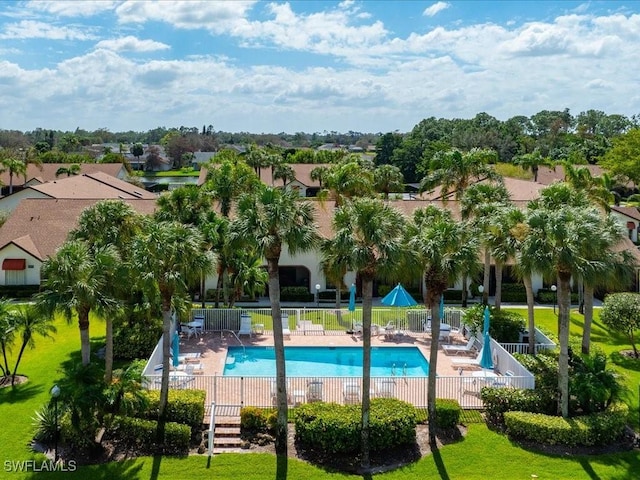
(22, 466)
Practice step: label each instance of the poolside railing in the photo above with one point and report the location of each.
(259, 391)
(322, 321)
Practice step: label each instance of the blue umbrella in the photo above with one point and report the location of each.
(352, 298)
(486, 361)
(175, 347)
(398, 297)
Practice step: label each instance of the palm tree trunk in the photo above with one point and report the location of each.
(432, 303)
(166, 365)
(281, 373)
(588, 318)
(108, 351)
(528, 287)
(85, 344)
(564, 299)
(10, 183)
(15, 370)
(367, 296)
(498, 296)
(487, 276)
(465, 293)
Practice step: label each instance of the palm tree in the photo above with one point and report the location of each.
(454, 171)
(7, 334)
(580, 178)
(318, 174)
(169, 257)
(348, 179)
(564, 227)
(14, 167)
(479, 204)
(73, 169)
(387, 179)
(28, 323)
(334, 266)
(441, 248)
(110, 223)
(284, 172)
(270, 219)
(75, 282)
(532, 161)
(368, 233)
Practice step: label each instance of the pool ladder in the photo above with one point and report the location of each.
(393, 370)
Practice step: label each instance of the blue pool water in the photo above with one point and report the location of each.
(326, 362)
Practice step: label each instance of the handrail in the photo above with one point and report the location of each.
(244, 350)
(212, 427)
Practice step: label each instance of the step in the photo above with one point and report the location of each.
(227, 442)
(227, 431)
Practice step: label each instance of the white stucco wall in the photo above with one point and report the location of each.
(32, 272)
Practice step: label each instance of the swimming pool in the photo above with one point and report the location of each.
(326, 362)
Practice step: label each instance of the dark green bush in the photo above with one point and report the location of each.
(600, 428)
(336, 428)
(296, 294)
(137, 340)
(547, 296)
(18, 291)
(447, 413)
(544, 367)
(514, 292)
(452, 295)
(499, 401)
(185, 407)
(141, 434)
(505, 326)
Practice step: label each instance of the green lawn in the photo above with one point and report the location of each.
(481, 454)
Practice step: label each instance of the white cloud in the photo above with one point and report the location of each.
(74, 8)
(131, 43)
(436, 8)
(33, 29)
(202, 14)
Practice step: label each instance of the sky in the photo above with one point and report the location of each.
(310, 66)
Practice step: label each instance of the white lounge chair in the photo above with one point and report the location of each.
(274, 392)
(456, 349)
(467, 361)
(286, 333)
(245, 325)
(351, 391)
(385, 388)
(314, 391)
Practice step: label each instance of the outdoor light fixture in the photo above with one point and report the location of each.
(317, 295)
(481, 290)
(55, 393)
(554, 289)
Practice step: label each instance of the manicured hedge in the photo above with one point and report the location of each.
(499, 401)
(296, 294)
(135, 341)
(18, 291)
(258, 419)
(141, 434)
(336, 428)
(513, 292)
(185, 407)
(600, 428)
(447, 413)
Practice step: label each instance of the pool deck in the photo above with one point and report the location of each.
(213, 347)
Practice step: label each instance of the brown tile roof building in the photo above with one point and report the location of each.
(47, 172)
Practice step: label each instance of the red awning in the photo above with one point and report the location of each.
(14, 264)
(631, 226)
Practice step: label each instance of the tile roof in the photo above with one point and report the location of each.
(631, 212)
(39, 226)
(97, 185)
(47, 172)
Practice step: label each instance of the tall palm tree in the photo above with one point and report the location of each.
(169, 257)
(75, 282)
(441, 248)
(368, 233)
(532, 161)
(581, 179)
(388, 178)
(564, 227)
(284, 172)
(318, 174)
(111, 223)
(271, 219)
(348, 179)
(454, 171)
(14, 167)
(28, 323)
(334, 265)
(73, 169)
(479, 204)
(7, 334)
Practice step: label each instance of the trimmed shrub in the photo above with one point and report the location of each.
(141, 434)
(336, 428)
(18, 291)
(547, 296)
(135, 341)
(514, 292)
(253, 419)
(447, 413)
(296, 294)
(505, 326)
(595, 429)
(452, 295)
(499, 401)
(184, 406)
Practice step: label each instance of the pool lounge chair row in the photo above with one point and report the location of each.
(351, 391)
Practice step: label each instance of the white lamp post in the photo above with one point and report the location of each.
(481, 290)
(317, 295)
(554, 289)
